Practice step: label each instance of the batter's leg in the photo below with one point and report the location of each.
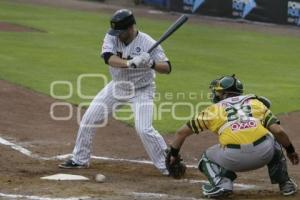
(153, 142)
(96, 115)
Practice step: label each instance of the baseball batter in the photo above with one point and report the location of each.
(133, 71)
(250, 137)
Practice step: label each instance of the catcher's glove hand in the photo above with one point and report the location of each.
(175, 165)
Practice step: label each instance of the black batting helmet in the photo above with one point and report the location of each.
(225, 85)
(120, 21)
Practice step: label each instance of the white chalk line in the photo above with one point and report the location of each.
(240, 186)
(18, 196)
(16, 147)
(139, 195)
(63, 157)
(153, 196)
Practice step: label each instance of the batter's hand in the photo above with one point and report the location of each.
(142, 61)
(175, 165)
(145, 57)
(148, 61)
(135, 62)
(293, 157)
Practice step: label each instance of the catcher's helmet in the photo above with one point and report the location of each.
(225, 85)
(120, 21)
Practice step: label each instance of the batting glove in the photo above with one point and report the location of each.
(145, 57)
(142, 61)
(147, 61)
(135, 62)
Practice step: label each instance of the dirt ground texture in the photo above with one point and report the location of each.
(5, 26)
(25, 120)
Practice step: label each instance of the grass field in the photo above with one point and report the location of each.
(267, 64)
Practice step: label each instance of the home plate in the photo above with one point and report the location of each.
(65, 177)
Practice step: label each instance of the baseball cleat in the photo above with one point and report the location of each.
(70, 164)
(288, 188)
(210, 191)
(164, 172)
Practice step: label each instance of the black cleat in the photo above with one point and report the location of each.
(70, 164)
(215, 192)
(288, 188)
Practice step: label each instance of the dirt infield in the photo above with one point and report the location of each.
(25, 121)
(6, 26)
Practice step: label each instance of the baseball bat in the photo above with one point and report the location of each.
(178, 23)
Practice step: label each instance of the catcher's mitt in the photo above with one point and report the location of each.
(177, 168)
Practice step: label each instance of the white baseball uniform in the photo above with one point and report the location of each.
(134, 86)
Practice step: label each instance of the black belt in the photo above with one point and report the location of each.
(238, 146)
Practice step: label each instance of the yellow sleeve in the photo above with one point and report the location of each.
(269, 119)
(202, 120)
(260, 111)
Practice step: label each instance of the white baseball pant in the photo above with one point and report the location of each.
(102, 107)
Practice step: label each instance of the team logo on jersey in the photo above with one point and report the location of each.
(138, 49)
(243, 125)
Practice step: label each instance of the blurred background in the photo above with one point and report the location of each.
(274, 11)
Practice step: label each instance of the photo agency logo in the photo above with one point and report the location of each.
(122, 97)
(63, 91)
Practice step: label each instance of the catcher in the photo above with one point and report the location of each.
(250, 137)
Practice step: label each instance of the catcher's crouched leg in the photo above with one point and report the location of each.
(278, 173)
(217, 175)
(176, 167)
(277, 167)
